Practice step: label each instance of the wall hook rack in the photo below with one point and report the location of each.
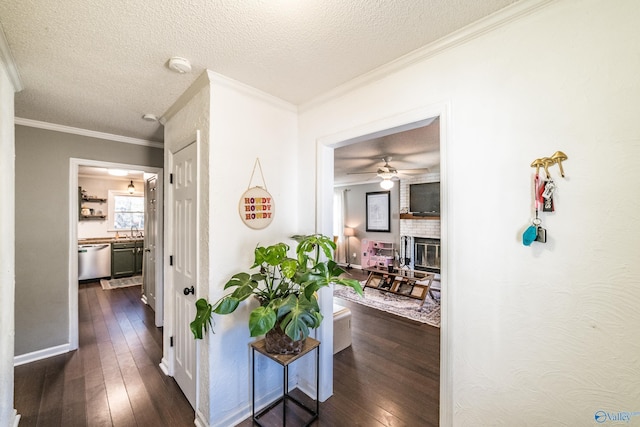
(544, 162)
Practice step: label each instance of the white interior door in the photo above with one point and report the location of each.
(184, 267)
(150, 234)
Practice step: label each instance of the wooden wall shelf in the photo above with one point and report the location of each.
(412, 216)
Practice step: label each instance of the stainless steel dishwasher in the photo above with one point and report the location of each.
(94, 261)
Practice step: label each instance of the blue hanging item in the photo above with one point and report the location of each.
(529, 235)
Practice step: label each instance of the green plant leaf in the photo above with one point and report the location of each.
(289, 267)
(314, 241)
(261, 320)
(202, 320)
(243, 292)
(227, 305)
(260, 253)
(298, 315)
(275, 254)
(286, 287)
(240, 279)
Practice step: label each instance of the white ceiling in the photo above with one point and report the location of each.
(101, 65)
(103, 173)
(413, 150)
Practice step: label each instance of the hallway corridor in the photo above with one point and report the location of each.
(113, 379)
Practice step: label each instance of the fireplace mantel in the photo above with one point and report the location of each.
(412, 216)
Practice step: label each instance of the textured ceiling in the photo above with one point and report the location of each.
(412, 151)
(101, 65)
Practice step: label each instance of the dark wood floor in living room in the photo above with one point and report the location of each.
(390, 376)
(113, 379)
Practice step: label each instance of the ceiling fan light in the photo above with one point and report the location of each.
(386, 175)
(387, 184)
(118, 172)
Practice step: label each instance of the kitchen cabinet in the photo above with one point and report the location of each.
(126, 258)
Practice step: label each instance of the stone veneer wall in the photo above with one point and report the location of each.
(417, 227)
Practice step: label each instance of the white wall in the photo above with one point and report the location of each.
(7, 244)
(547, 334)
(246, 125)
(237, 124)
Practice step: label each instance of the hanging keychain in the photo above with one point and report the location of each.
(548, 188)
(535, 232)
(541, 233)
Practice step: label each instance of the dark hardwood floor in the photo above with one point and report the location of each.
(113, 379)
(388, 377)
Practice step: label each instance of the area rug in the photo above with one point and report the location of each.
(402, 306)
(121, 283)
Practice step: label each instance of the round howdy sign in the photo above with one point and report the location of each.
(256, 208)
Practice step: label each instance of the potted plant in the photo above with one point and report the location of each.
(286, 289)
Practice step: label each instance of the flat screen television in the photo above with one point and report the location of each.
(424, 199)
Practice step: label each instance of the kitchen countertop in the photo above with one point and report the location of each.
(98, 240)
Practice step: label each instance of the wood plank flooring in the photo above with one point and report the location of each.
(388, 377)
(113, 379)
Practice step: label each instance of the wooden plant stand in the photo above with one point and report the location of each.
(285, 360)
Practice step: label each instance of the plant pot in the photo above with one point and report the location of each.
(277, 342)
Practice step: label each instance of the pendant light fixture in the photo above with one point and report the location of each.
(131, 188)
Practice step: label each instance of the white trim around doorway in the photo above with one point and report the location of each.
(324, 193)
(74, 164)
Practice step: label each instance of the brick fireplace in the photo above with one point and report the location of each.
(420, 238)
(420, 253)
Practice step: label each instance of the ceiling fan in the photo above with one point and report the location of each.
(387, 173)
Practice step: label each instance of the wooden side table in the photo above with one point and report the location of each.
(285, 360)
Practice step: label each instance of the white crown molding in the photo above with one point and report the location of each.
(7, 59)
(207, 78)
(198, 84)
(252, 91)
(86, 132)
(472, 31)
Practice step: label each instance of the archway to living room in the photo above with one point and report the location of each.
(412, 360)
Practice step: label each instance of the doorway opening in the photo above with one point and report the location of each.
(326, 148)
(95, 215)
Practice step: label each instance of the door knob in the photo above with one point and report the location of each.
(188, 291)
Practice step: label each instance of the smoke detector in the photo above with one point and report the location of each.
(179, 65)
(150, 117)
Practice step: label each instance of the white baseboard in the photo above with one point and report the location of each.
(16, 418)
(200, 420)
(41, 354)
(235, 418)
(164, 367)
(144, 299)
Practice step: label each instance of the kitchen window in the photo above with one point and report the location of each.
(126, 210)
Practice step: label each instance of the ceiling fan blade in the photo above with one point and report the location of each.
(416, 171)
(359, 173)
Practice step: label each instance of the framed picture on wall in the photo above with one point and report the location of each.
(379, 211)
